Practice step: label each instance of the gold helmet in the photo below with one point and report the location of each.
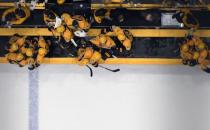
(60, 29)
(195, 55)
(13, 47)
(67, 19)
(19, 57)
(42, 52)
(23, 50)
(42, 42)
(191, 42)
(29, 52)
(184, 48)
(127, 44)
(102, 39)
(121, 37)
(67, 35)
(88, 53)
(60, 2)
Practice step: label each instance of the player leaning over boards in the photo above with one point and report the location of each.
(89, 56)
(124, 36)
(103, 41)
(103, 46)
(76, 22)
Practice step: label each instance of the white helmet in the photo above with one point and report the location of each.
(80, 33)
